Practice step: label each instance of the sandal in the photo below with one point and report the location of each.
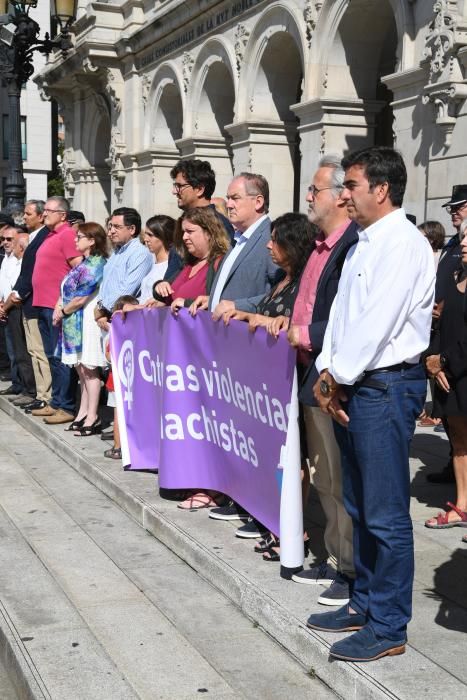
(273, 552)
(263, 545)
(428, 422)
(75, 425)
(442, 522)
(88, 430)
(197, 501)
(113, 453)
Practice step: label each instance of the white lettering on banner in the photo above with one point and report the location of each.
(126, 370)
(223, 435)
(219, 384)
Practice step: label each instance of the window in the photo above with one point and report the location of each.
(6, 138)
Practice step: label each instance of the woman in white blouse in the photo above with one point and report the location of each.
(158, 237)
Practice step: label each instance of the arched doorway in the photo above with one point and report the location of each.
(274, 83)
(212, 103)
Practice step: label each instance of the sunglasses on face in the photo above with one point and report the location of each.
(3, 238)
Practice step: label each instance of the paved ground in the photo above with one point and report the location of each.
(434, 663)
(102, 610)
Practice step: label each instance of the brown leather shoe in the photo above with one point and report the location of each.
(60, 416)
(46, 411)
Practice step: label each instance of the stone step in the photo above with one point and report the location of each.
(103, 610)
(278, 606)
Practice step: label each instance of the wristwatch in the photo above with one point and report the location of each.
(325, 388)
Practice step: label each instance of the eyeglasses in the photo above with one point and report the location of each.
(54, 211)
(455, 207)
(316, 190)
(117, 227)
(179, 186)
(80, 236)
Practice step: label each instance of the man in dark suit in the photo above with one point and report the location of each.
(317, 290)
(247, 273)
(21, 299)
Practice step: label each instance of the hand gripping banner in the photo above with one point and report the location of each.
(209, 407)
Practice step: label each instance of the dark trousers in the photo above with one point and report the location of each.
(376, 490)
(16, 382)
(63, 390)
(22, 356)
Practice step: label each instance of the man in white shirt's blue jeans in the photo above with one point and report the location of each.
(373, 384)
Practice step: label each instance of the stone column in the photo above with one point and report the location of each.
(216, 150)
(267, 148)
(155, 185)
(330, 125)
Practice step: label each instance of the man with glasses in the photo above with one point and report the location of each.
(54, 259)
(194, 183)
(21, 299)
(318, 287)
(9, 272)
(126, 268)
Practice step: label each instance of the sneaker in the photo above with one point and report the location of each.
(251, 530)
(338, 592)
(322, 574)
(231, 511)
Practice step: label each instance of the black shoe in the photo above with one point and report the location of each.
(5, 377)
(251, 530)
(108, 435)
(9, 391)
(231, 511)
(33, 405)
(444, 477)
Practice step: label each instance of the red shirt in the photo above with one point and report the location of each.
(189, 288)
(52, 265)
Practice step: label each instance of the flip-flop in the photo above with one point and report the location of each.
(198, 501)
(442, 519)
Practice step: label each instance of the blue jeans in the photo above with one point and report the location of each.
(376, 490)
(63, 394)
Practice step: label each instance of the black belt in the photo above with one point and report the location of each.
(390, 368)
(367, 380)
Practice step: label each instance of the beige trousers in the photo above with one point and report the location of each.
(325, 461)
(40, 363)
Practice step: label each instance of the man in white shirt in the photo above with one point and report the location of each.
(373, 384)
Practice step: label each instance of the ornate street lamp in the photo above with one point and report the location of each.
(18, 41)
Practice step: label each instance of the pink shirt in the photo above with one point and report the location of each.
(304, 304)
(52, 265)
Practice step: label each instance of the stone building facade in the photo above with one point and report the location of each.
(259, 85)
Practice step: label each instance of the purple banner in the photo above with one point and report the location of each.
(205, 404)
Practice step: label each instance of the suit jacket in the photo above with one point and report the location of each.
(325, 293)
(449, 262)
(24, 282)
(253, 272)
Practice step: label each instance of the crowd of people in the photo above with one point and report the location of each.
(351, 284)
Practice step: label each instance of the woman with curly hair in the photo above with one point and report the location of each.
(205, 244)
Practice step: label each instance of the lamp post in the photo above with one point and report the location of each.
(19, 39)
